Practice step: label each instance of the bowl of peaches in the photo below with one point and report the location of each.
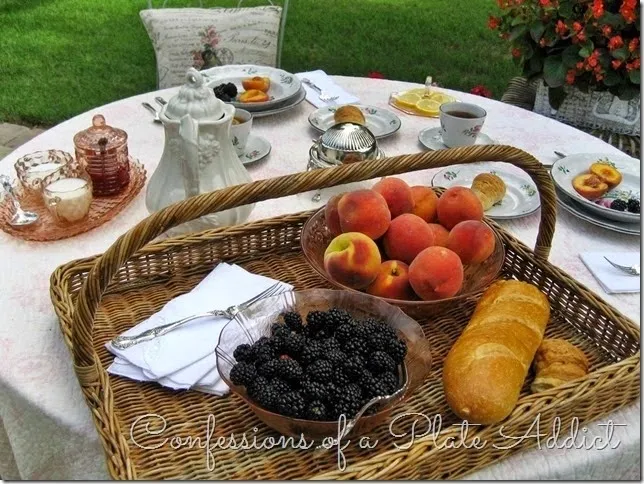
(252, 87)
(405, 244)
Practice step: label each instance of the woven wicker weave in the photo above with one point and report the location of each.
(97, 298)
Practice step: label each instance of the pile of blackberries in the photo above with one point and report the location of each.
(631, 205)
(330, 365)
(226, 92)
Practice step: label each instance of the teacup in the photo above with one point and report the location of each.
(240, 129)
(461, 123)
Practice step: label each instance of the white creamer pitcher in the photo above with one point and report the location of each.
(198, 156)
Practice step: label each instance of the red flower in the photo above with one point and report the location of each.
(579, 37)
(598, 8)
(481, 90)
(544, 3)
(570, 76)
(376, 75)
(493, 22)
(576, 26)
(561, 28)
(615, 42)
(579, 65)
(607, 30)
(599, 76)
(593, 59)
(633, 65)
(516, 52)
(627, 10)
(634, 44)
(616, 64)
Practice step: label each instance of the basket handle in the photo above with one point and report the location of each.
(127, 244)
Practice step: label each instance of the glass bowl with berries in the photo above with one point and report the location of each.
(303, 359)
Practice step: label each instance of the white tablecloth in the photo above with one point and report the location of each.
(45, 428)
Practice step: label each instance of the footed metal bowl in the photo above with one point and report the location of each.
(347, 143)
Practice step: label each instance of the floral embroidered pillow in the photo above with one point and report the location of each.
(205, 38)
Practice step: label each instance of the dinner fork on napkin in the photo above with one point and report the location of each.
(185, 357)
(612, 280)
(326, 85)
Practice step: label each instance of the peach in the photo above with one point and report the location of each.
(408, 234)
(589, 186)
(364, 211)
(436, 273)
(253, 96)
(608, 173)
(397, 194)
(425, 201)
(440, 234)
(352, 259)
(258, 83)
(458, 204)
(331, 216)
(392, 281)
(472, 240)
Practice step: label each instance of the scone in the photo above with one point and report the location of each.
(489, 188)
(556, 363)
(349, 114)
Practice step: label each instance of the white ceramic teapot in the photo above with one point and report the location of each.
(198, 156)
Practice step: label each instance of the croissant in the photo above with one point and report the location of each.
(349, 114)
(557, 362)
(489, 188)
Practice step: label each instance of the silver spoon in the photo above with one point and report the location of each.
(20, 217)
(150, 108)
(160, 101)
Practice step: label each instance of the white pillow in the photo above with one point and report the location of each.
(205, 38)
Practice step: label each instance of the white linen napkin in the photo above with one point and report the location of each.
(611, 279)
(185, 357)
(326, 84)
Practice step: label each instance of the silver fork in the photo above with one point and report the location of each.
(160, 101)
(150, 108)
(325, 97)
(123, 342)
(630, 270)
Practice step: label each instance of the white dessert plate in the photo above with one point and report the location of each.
(284, 85)
(283, 106)
(566, 169)
(257, 148)
(521, 195)
(432, 139)
(381, 122)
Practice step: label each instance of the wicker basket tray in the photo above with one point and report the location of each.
(97, 298)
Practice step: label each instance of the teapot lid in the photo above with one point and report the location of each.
(195, 99)
(100, 136)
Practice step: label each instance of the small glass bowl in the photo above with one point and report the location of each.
(33, 168)
(255, 322)
(316, 237)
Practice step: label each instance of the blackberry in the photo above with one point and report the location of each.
(320, 371)
(264, 393)
(243, 373)
(316, 410)
(344, 332)
(373, 325)
(230, 89)
(381, 362)
(633, 205)
(279, 330)
(315, 322)
(220, 93)
(348, 399)
(311, 352)
(293, 344)
(291, 404)
(329, 345)
(314, 390)
(356, 346)
(378, 341)
(391, 381)
(366, 380)
(336, 356)
(289, 370)
(378, 388)
(244, 352)
(280, 386)
(294, 321)
(340, 378)
(263, 353)
(269, 368)
(354, 366)
(339, 316)
(618, 204)
(397, 349)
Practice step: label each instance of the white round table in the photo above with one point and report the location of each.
(45, 428)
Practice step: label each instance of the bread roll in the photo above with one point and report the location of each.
(349, 114)
(489, 188)
(485, 369)
(557, 362)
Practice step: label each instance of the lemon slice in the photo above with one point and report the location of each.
(408, 99)
(420, 91)
(428, 106)
(441, 98)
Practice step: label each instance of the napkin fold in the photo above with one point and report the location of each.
(611, 279)
(185, 357)
(324, 82)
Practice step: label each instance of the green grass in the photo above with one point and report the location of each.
(62, 57)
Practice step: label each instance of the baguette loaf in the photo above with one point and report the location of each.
(485, 369)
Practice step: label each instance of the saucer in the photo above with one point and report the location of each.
(257, 148)
(431, 138)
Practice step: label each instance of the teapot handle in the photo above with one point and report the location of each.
(189, 133)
